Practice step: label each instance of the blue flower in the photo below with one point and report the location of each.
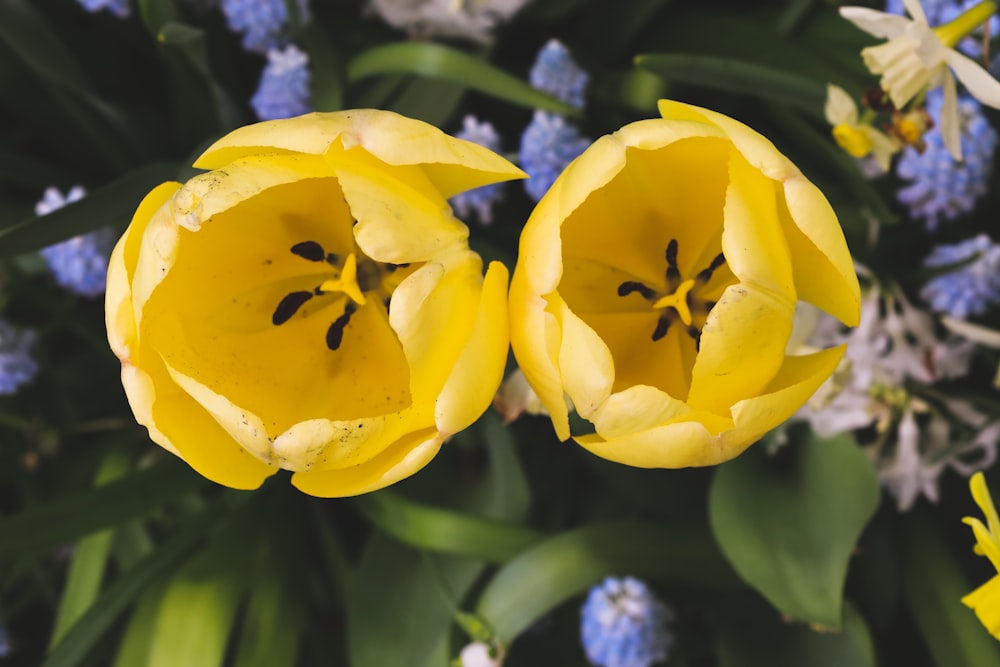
(17, 366)
(556, 73)
(939, 12)
(940, 187)
(284, 85)
(264, 23)
(970, 289)
(623, 625)
(119, 8)
(80, 264)
(481, 199)
(547, 146)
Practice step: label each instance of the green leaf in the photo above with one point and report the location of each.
(90, 557)
(738, 76)
(443, 62)
(27, 34)
(326, 76)
(509, 495)
(197, 611)
(62, 521)
(433, 101)
(156, 13)
(102, 615)
(750, 635)
(134, 647)
(442, 530)
(403, 603)
(789, 523)
(933, 587)
(565, 565)
(112, 204)
(273, 624)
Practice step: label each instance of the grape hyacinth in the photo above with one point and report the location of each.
(17, 366)
(624, 625)
(941, 188)
(119, 8)
(556, 73)
(970, 289)
(481, 199)
(80, 264)
(283, 91)
(547, 146)
(263, 23)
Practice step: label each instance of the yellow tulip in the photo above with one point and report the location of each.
(656, 286)
(311, 303)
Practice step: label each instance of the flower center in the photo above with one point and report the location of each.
(680, 300)
(351, 280)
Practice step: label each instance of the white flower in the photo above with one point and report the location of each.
(917, 56)
(477, 654)
(463, 19)
(857, 138)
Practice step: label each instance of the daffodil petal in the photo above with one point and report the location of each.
(840, 107)
(980, 83)
(981, 494)
(985, 601)
(398, 461)
(986, 543)
(478, 372)
(951, 124)
(879, 24)
(821, 263)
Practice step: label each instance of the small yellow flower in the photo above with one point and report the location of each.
(311, 303)
(917, 57)
(985, 600)
(656, 287)
(857, 138)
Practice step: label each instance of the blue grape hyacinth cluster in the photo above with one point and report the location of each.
(119, 8)
(80, 264)
(624, 625)
(940, 188)
(972, 287)
(283, 91)
(17, 366)
(263, 23)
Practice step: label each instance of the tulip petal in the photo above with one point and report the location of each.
(403, 458)
(453, 165)
(821, 263)
(118, 308)
(588, 370)
(638, 408)
(401, 217)
(680, 444)
(478, 372)
(179, 424)
(742, 348)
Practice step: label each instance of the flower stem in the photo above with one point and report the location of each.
(965, 23)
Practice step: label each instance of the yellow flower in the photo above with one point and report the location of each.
(311, 303)
(857, 138)
(985, 600)
(917, 57)
(656, 287)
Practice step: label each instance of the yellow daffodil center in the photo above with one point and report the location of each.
(350, 277)
(680, 298)
(854, 141)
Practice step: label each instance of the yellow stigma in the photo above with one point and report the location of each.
(347, 282)
(678, 301)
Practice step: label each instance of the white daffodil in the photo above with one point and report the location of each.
(917, 57)
(856, 137)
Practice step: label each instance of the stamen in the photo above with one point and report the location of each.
(289, 306)
(706, 274)
(695, 334)
(662, 325)
(630, 286)
(309, 250)
(335, 334)
(673, 272)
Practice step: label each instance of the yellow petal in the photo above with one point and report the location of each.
(638, 408)
(177, 423)
(680, 444)
(478, 372)
(822, 266)
(119, 310)
(742, 348)
(585, 362)
(981, 494)
(986, 543)
(405, 457)
(453, 165)
(401, 217)
(985, 601)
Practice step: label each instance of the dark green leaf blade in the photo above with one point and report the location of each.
(788, 524)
